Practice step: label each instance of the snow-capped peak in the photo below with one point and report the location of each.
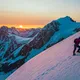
(66, 20)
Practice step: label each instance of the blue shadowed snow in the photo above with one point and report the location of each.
(16, 59)
(16, 52)
(5, 47)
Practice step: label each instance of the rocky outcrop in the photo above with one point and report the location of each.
(40, 38)
(44, 35)
(4, 33)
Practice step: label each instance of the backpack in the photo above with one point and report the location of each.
(76, 41)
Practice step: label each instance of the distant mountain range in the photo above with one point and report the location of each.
(17, 47)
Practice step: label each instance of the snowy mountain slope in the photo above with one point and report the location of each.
(66, 27)
(55, 63)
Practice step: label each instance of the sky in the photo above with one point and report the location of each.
(36, 13)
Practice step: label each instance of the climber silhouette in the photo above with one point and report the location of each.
(76, 45)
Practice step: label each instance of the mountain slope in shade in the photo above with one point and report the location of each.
(55, 63)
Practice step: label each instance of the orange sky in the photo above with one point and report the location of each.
(36, 13)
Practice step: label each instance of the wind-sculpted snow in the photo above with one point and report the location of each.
(55, 63)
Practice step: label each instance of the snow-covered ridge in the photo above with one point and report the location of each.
(55, 63)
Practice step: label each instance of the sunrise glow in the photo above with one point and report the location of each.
(21, 26)
(36, 13)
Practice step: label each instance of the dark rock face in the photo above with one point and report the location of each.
(25, 50)
(4, 33)
(40, 38)
(44, 35)
(6, 67)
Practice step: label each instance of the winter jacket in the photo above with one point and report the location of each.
(77, 41)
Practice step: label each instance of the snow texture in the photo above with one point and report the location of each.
(55, 63)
